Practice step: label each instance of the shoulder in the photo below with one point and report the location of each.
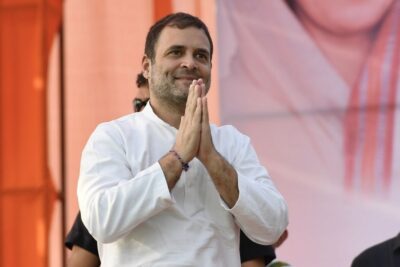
(118, 123)
(228, 135)
(227, 132)
(231, 143)
(115, 128)
(374, 254)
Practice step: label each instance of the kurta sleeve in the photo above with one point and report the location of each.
(260, 211)
(112, 199)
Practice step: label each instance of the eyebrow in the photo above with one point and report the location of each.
(181, 47)
(174, 47)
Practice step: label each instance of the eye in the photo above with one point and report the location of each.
(175, 52)
(202, 56)
(138, 104)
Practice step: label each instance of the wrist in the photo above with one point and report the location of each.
(184, 164)
(211, 159)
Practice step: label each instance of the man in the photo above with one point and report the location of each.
(83, 246)
(142, 96)
(164, 188)
(385, 254)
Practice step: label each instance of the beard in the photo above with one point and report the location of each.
(165, 89)
(171, 91)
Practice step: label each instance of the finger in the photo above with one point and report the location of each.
(205, 117)
(182, 122)
(179, 134)
(203, 90)
(191, 100)
(193, 92)
(198, 112)
(200, 82)
(197, 92)
(181, 126)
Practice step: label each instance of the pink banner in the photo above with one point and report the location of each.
(316, 88)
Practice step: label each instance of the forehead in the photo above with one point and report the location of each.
(190, 37)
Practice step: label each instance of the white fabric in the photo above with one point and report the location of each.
(126, 205)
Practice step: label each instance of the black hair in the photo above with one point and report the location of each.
(141, 81)
(181, 21)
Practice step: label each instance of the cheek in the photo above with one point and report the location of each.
(205, 70)
(157, 73)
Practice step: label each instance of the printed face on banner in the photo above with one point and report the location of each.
(318, 84)
(343, 16)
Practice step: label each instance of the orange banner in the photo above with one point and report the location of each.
(27, 194)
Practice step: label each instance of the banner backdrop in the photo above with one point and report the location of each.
(27, 188)
(320, 101)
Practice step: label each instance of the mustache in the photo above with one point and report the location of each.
(185, 73)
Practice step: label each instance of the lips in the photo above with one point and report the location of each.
(190, 78)
(189, 75)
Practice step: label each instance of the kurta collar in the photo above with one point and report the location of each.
(149, 113)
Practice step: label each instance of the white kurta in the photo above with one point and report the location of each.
(126, 205)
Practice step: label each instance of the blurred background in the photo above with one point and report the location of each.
(314, 83)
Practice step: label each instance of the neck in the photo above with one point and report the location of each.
(346, 52)
(167, 112)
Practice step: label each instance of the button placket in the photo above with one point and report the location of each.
(194, 200)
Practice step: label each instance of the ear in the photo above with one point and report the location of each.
(146, 66)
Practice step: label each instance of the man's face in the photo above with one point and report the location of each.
(181, 56)
(143, 92)
(141, 98)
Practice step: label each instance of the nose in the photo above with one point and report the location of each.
(189, 62)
